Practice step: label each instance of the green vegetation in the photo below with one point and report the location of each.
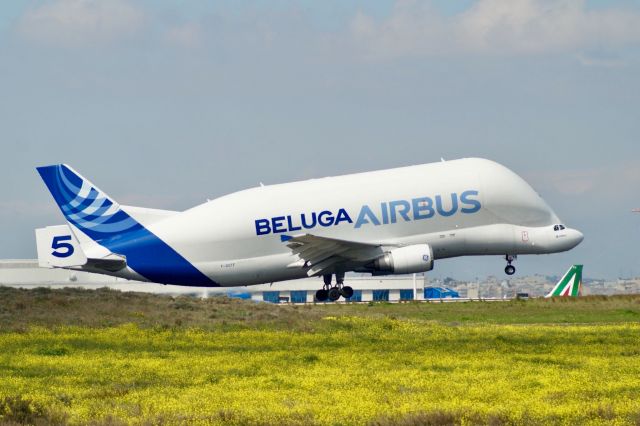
(21, 309)
(104, 357)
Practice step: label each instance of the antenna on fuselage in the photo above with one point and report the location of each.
(261, 184)
(443, 160)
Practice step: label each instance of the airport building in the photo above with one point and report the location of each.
(27, 274)
(394, 288)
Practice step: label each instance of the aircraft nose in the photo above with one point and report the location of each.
(577, 237)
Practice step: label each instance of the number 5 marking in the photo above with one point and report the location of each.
(58, 243)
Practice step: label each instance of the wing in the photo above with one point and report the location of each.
(321, 254)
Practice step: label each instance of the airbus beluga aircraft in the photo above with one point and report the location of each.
(396, 221)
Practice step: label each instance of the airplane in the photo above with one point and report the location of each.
(570, 284)
(395, 221)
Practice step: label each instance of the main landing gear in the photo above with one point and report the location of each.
(333, 293)
(510, 269)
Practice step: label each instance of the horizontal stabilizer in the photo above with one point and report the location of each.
(58, 248)
(112, 264)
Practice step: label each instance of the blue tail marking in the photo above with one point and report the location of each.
(102, 219)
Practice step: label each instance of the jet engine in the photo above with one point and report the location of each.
(405, 260)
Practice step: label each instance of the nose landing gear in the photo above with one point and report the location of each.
(510, 269)
(333, 293)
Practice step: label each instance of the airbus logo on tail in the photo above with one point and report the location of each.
(386, 213)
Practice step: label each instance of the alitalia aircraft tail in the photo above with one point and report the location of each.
(570, 284)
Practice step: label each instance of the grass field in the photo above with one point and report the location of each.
(104, 357)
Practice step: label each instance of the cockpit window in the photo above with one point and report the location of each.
(558, 227)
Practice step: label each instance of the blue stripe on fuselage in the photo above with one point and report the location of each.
(155, 260)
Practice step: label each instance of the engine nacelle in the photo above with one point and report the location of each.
(406, 260)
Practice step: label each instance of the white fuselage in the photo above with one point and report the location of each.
(237, 239)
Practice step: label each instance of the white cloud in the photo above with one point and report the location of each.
(614, 181)
(73, 23)
(572, 182)
(495, 26)
(187, 35)
(23, 208)
(600, 59)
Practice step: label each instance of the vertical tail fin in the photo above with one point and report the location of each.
(85, 206)
(570, 285)
(103, 228)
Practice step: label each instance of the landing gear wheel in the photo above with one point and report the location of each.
(334, 294)
(346, 292)
(322, 295)
(510, 269)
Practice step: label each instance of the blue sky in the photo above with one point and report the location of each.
(167, 103)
